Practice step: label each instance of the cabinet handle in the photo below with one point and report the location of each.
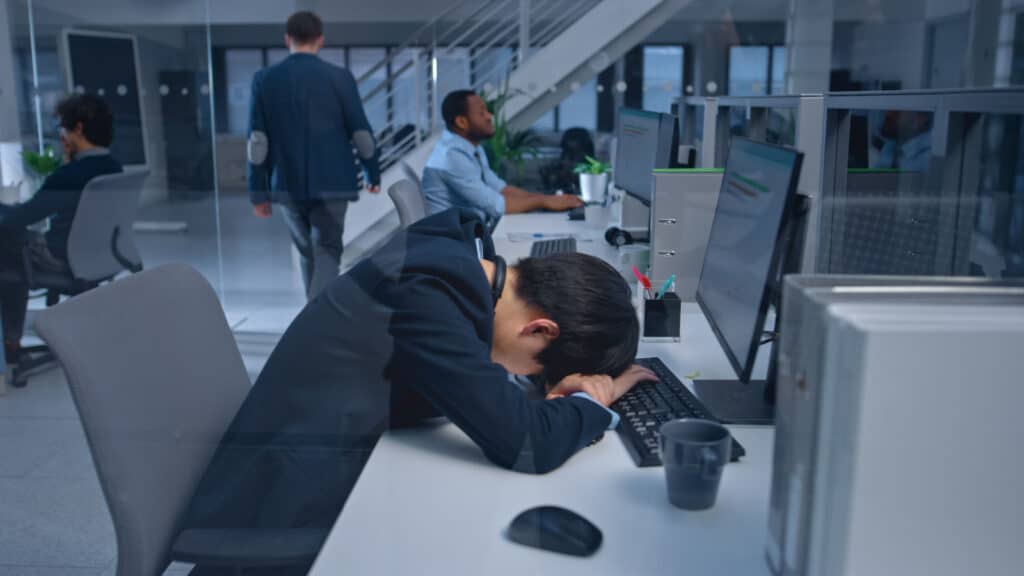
(666, 252)
(666, 220)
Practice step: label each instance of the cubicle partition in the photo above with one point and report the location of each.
(707, 123)
(798, 121)
(912, 182)
(922, 183)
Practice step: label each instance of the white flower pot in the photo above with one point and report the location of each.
(592, 187)
(10, 195)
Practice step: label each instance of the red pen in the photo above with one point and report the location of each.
(643, 280)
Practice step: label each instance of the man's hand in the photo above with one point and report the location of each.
(373, 188)
(262, 210)
(562, 203)
(603, 388)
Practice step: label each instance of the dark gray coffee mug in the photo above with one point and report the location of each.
(694, 452)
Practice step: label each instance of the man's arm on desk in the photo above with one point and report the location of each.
(518, 201)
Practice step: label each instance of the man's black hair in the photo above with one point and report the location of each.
(304, 27)
(455, 104)
(591, 303)
(94, 115)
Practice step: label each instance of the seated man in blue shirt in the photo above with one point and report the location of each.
(458, 174)
(430, 325)
(86, 130)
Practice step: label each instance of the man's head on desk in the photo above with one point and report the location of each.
(564, 314)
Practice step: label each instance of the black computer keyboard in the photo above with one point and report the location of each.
(648, 405)
(555, 246)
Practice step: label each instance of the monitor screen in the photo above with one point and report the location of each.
(643, 143)
(742, 260)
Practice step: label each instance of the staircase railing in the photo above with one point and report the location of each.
(472, 44)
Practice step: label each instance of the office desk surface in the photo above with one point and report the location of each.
(428, 502)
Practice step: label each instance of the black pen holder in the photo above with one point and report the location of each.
(662, 317)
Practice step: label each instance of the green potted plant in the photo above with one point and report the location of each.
(507, 148)
(593, 179)
(40, 165)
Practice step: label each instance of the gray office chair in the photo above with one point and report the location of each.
(411, 174)
(155, 373)
(101, 245)
(408, 199)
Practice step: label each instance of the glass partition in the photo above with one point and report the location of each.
(923, 183)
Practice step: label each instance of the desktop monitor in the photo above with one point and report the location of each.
(750, 233)
(644, 141)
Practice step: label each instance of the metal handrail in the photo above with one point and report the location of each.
(541, 16)
(494, 8)
(411, 41)
(480, 29)
(558, 24)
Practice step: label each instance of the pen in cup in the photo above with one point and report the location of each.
(644, 280)
(666, 286)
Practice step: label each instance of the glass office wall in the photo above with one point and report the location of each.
(156, 79)
(907, 193)
(663, 77)
(996, 242)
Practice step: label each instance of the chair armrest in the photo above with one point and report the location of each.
(248, 547)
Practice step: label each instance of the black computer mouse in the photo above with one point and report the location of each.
(555, 529)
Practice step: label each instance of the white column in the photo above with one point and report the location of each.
(809, 45)
(524, 31)
(1004, 46)
(11, 171)
(982, 40)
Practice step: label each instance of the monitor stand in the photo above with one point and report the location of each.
(735, 402)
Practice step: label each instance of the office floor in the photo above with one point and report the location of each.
(53, 519)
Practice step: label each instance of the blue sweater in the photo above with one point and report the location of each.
(306, 117)
(58, 200)
(403, 337)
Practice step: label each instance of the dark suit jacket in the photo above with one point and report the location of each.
(405, 335)
(305, 117)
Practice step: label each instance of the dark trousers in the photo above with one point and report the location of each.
(20, 248)
(317, 228)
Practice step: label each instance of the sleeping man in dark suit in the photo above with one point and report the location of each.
(428, 326)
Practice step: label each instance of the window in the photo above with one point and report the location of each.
(748, 70)
(546, 123)
(757, 70)
(375, 97)
(491, 67)
(579, 109)
(335, 56)
(778, 84)
(662, 77)
(275, 55)
(452, 74)
(239, 67)
(404, 104)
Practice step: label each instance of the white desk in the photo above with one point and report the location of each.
(428, 501)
